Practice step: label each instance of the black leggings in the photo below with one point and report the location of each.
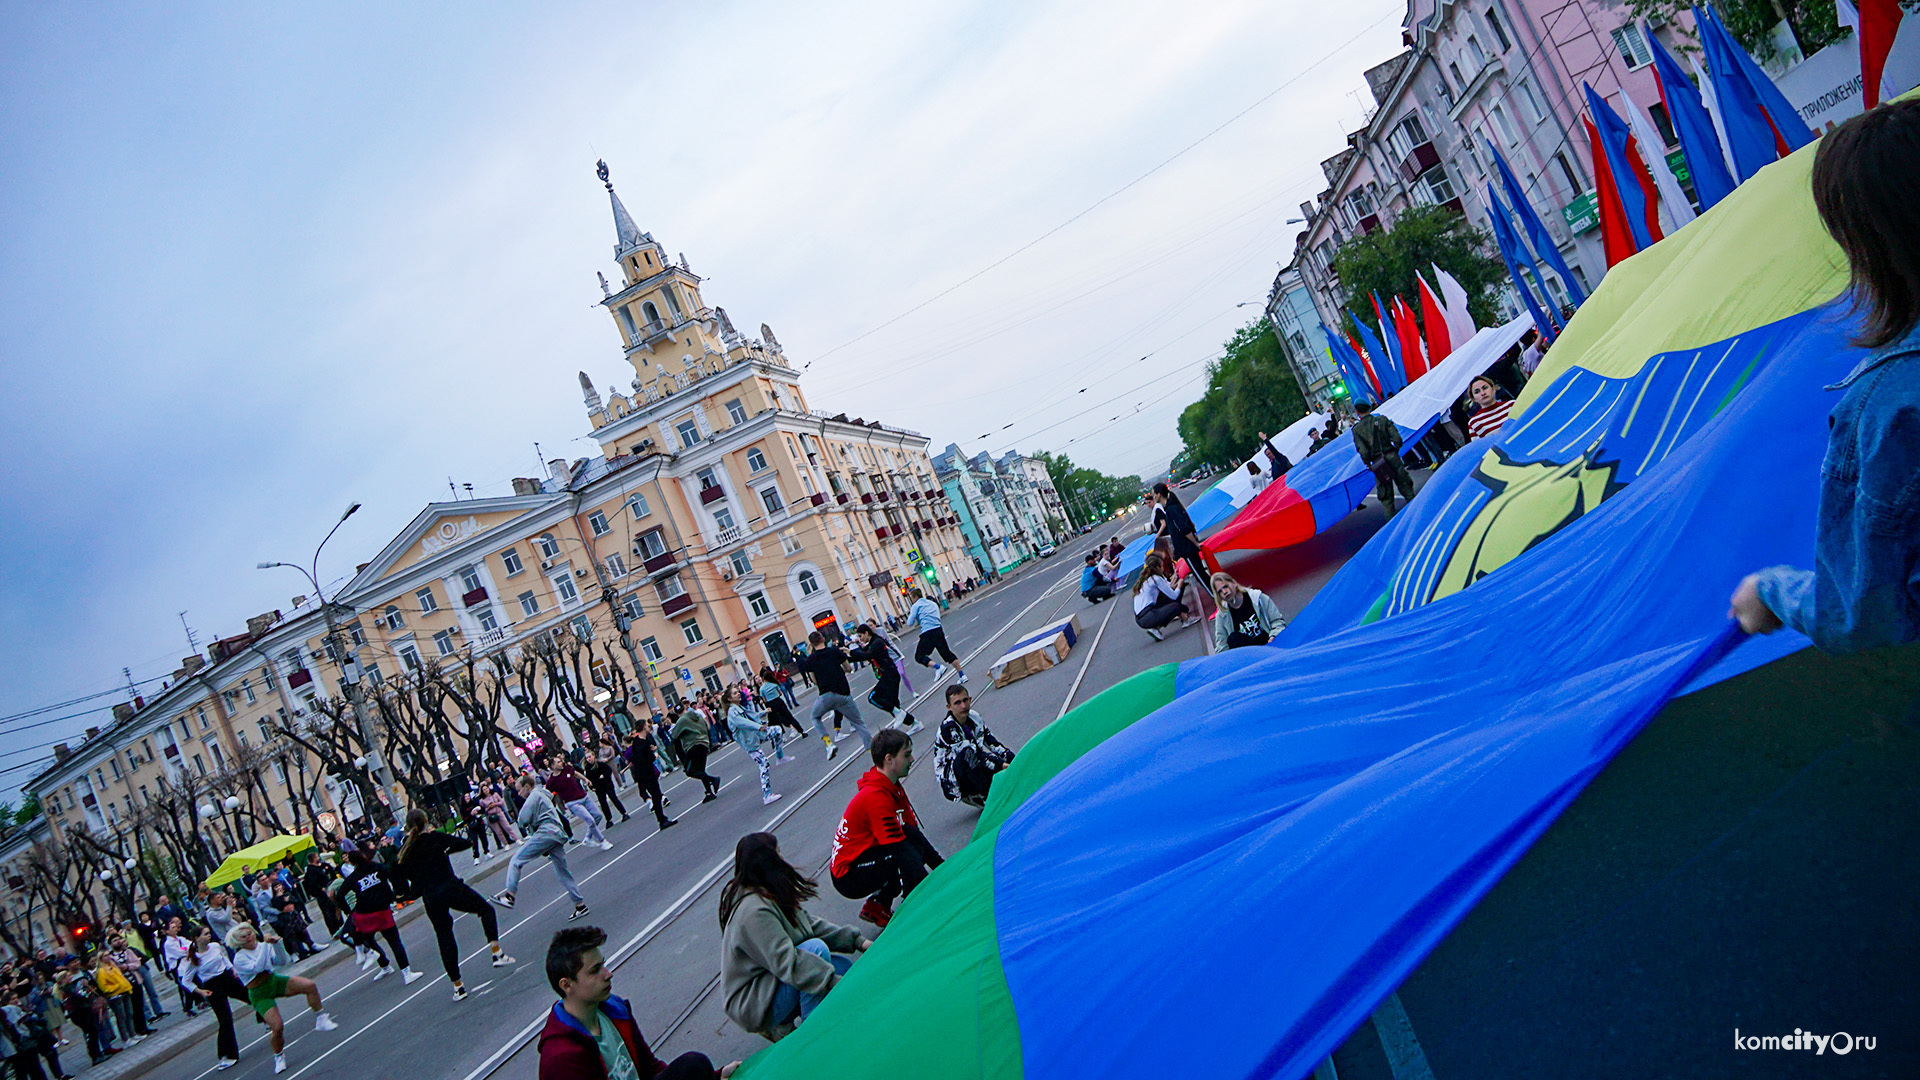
(648, 783)
(392, 934)
(1163, 611)
(932, 641)
(886, 871)
(697, 767)
(606, 794)
(441, 903)
(223, 987)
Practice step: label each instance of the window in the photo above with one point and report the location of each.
(723, 516)
(632, 608)
(742, 565)
(671, 695)
(757, 604)
(1566, 174)
(1506, 128)
(1664, 124)
(1632, 44)
(510, 558)
(651, 544)
(1435, 185)
(246, 688)
(1535, 110)
(427, 602)
(809, 582)
(789, 543)
(626, 322)
(638, 504)
(1499, 31)
(115, 762)
(484, 616)
(549, 547)
(616, 566)
(1478, 54)
(563, 588)
(710, 678)
(1406, 135)
(756, 461)
(393, 618)
(650, 648)
(201, 712)
(529, 603)
(410, 657)
(736, 412)
(708, 478)
(583, 628)
(443, 641)
(199, 766)
(670, 587)
(1454, 70)
(691, 631)
(359, 636)
(689, 434)
(469, 581)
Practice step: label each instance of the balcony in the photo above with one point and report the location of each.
(841, 497)
(299, 679)
(882, 496)
(866, 496)
(676, 605)
(729, 536)
(817, 499)
(477, 596)
(881, 532)
(1418, 161)
(711, 495)
(666, 560)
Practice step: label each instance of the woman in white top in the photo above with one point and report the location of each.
(1157, 601)
(253, 960)
(207, 972)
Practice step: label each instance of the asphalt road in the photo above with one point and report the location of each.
(655, 893)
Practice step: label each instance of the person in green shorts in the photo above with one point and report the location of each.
(253, 958)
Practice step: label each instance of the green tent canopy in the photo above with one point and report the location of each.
(264, 853)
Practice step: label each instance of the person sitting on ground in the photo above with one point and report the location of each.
(967, 755)
(777, 961)
(254, 958)
(1377, 440)
(1490, 407)
(1864, 588)
(1157, 601)
(879, 851)
(1260, 479)
(591, 1034)
(1246, 616)
(1093, 585)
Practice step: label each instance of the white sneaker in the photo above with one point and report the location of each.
(407, 976)
(382, 973)
(938, 667)
(279, 1064)
(502, 960)
(963, 678)
(227, 1063)
(323, 1022)
(460, 993)
(503, 898)
(1156, 635)
(769, 800)
(366, 959)
(831, 751)
(606, 845)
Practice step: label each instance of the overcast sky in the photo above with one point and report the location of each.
(263, 261)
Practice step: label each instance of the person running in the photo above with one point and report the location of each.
(571, 790)
(879, 851)
(691, 737)
(750, 733)
(373, 898)
(600, 775)
(966, 755)
(778, 712)
(777, 961)
(591, 1034)
(210, 972)
(828, 667)
(253, 964)
(424, 862)
(925, 614)
(878, 652)
(1377, 440)
(1246, 616)
(642, 763)
(545, 836)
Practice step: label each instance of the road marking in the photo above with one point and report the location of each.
(1098, 634)
(1404, 1055)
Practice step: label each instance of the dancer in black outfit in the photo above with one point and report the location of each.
(646, 774)
(599, 770)
(424, 864)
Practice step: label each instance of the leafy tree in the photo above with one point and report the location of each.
(1751, 22)
(1386, 262)
(1251, 388)
(1088, 493)
(29, 809)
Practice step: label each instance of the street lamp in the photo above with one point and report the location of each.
(349, 666)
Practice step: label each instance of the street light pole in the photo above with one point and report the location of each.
(350, 672)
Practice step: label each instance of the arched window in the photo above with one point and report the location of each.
(549, 548)
(809, 583)
(652, 313)
(393, 618)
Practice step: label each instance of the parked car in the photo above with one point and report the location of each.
(1047, 552)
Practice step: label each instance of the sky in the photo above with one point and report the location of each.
(263, 261)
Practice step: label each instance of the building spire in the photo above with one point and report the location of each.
(592, 396)
(627, 235)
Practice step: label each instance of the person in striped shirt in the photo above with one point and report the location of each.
(1490, 408)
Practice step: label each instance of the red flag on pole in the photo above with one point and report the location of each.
(1875, 23)
(1410, 355)
(1366, 362)
(1616, 236)
(1439, 343)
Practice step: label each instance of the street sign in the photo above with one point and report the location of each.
(881, 579)
(686, 675)
(913, 555)
(1677, 161)
(1582, 213)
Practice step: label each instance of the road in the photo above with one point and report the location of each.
(655, 893)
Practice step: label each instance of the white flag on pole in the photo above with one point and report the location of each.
(1453, 299)
(1674, 200)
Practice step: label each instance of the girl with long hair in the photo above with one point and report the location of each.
(1157, 601)
(777, 961)
(373, 896)
(424, 861)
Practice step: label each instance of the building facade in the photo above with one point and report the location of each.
(1295, 321)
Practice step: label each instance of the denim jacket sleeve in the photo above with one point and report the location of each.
(1864, 590)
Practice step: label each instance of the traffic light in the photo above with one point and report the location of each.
(927, 572)
(1338, 391)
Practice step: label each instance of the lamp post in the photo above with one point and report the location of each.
(350, 670)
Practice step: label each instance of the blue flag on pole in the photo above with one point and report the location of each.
(1635, 197)
(1390, 338)
(1761, 126)
(1699, 143)
(1349, 364)
(1536, 229)
(1504, 236)
(1378, 354)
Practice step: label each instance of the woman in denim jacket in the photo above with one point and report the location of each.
(1864, 590)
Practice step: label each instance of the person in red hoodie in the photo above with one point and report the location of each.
(590, 1034)
(879, 851)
